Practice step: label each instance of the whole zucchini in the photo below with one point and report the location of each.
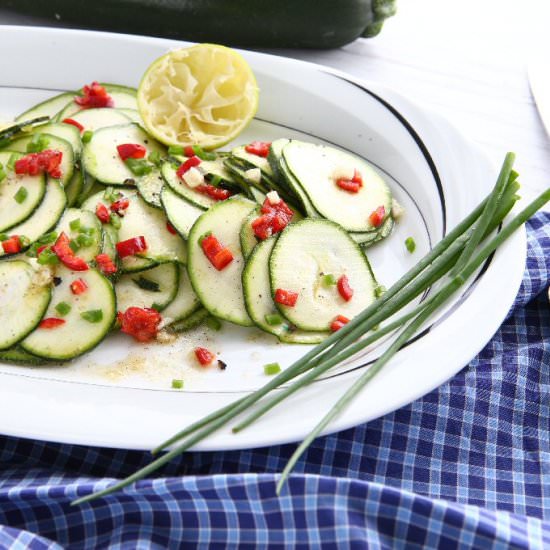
(245, 23)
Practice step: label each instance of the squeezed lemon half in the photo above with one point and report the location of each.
(202, 95)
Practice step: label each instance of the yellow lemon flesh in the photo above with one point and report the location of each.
(202, 95)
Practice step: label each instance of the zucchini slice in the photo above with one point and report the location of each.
(190, 322)
(87, 225)
(149, 187)
(50, 107)
(15, 209)
(180, 213)
(73, 189)
(56, 143)
(259, 303)
(140, 219)
(220, 291)
(93, 119)
(316, 168)
(304, 254)
(20, 357)
(184, 303)
(100, 158)
(84, 326)
(45, 216)
(246, 235)
(24, 298)
(154, 287)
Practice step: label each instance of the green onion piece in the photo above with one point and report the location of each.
(329, 280)
(202, 154)
(47, 238)
(154, 158)
(202, 237)
(92, 315)
(109, 194)
(138, 167)
(115, 221)
(87, 136)
(24, 241)
(146, 284)
(177, 384)
(63, 308)
(21, 195)
(38, 143)
(75, 247)
(215, 180)
(272, 368)
(175, 150)
(47, 257)
(213, 322)
(14, 157)
(156, 306)
(379, 290)
(75, 224)
(83, 240)
(90, 231)
(2, 173)
(273, 319)
(4, 237)
(410, 244)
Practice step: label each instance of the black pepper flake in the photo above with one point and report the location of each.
(57, 281)
(221, 364)
(129, 181)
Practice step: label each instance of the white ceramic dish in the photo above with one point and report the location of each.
(119, 395)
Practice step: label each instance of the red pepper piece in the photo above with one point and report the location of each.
(286, 297)
(216, 193)
(120, 205)
(204, 356)
(348, 185)
(344, 289)
(357, 178)
(51, 322)
(105, 264)
(102, 212)
(131, 151)
(218, 255)
(187, 165)
(12, 245)
(94, 95)
(259, 148)
(79, 286)
(140, 322)
(171, 229)
(188, 151)
(131, 247)
(73, 123)
(377, 217)
(48, 161)
(66, 255)
(274, 218)
(41, 249)
(338, 323)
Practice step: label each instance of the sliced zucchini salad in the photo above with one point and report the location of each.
(103, 228)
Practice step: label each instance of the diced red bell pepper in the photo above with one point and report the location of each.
(131, 151)
(218, 255)
(94, 95)
(259, 148)
(171, 229)
(12, 245)
(188, 151)
(131, 247)
(338, 323)
(204, 356)
(73, 123)
(51, 322)
(187, 165)
(48, 161)
(344, 288)
(120, 205)
(377, 217)
(66, 255)
(274, 218)
(352, 185)
(216, 193)
(102, 212)
(286, 297)
(105, 264)
(140, 322)
(79, 286)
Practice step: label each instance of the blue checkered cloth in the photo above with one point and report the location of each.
(468, 465)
